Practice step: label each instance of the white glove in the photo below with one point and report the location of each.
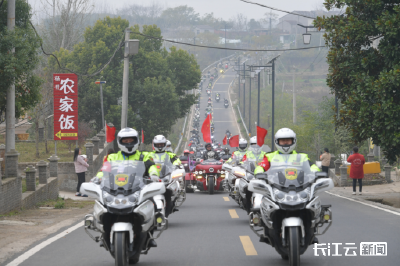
(154, 178)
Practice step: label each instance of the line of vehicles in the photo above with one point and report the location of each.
(135, 196)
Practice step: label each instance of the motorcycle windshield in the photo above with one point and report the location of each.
(122, 177)
(290, 170)
(166, 169)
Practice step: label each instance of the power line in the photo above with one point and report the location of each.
(223, 48)
(276, 9)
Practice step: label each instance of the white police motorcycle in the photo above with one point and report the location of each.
(124, 211)
(289, 214)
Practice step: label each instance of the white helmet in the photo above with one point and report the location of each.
(159, 143)
(131, 147)
(285, 133)
(253, 142)
(169, 147)
(242, 144)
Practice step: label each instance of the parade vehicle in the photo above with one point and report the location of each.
(208, 92)
(226, 103)
(208, 176)
(217, 97)
(289, 214)
(173, 179)
(124, 213)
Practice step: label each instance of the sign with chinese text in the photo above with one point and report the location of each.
(65, 93)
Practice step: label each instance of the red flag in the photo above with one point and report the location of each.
(206, 129)
(234, 141)
(224, 141)
(142, 136)
(110, 132)
(190, 144)
(261, 133)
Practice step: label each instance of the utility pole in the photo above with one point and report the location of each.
(225, 39)
(125, 80)
(239, 79)
(244, 91)
(250, 104)
(10, 112)
(258, 107)
(101, 100)
(131, 48)
(294, 102)
(273, 106)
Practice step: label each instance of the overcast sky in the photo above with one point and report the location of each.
(221, 8)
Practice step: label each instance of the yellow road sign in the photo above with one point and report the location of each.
(59, 134)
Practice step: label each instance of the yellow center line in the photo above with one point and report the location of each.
(226, 198)
(248, 246)
(233, 214)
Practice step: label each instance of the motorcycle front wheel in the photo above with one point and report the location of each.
(211, 185)
(294, 246)
(121, 249)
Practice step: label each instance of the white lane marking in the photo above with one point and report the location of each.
(370, 205)
(42, 245)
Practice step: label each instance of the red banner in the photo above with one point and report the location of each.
(65, 93)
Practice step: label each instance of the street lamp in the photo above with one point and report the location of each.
(307, 35)
(306, 38)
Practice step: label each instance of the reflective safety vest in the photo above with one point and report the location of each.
(159, 158)
(134, 157)
(252, 157)
(238, 154)
(292, 158)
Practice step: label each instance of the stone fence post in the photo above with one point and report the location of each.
(1, 161)
(89, 153)
(332, 163)
(371, 157)
(53, 165)
(30, 178)
(12, 163)
(95, 141)
(42, 169)
(388, 170)
(343, 175)
(102, 138)
(338, 163)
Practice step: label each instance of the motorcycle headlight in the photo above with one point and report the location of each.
(302, 196)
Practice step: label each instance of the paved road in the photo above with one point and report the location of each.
(223, 117)
(212, 230)
(203, 232)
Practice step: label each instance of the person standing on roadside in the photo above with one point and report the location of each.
(325, 161)
(81, 166)
(357, 169)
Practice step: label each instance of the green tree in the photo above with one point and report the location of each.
(366, 78)
(19, 67)
(174, 72)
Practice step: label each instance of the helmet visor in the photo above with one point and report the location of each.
(159, 145)
(242, 146)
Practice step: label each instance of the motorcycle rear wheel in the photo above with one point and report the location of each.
(294, 246)
(211, 185)
(121, 249)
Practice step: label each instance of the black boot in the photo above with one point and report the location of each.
(152, 243)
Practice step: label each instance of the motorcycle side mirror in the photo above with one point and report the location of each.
(262, 176)
(163, 170)
(252, 167)
(320, 175)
